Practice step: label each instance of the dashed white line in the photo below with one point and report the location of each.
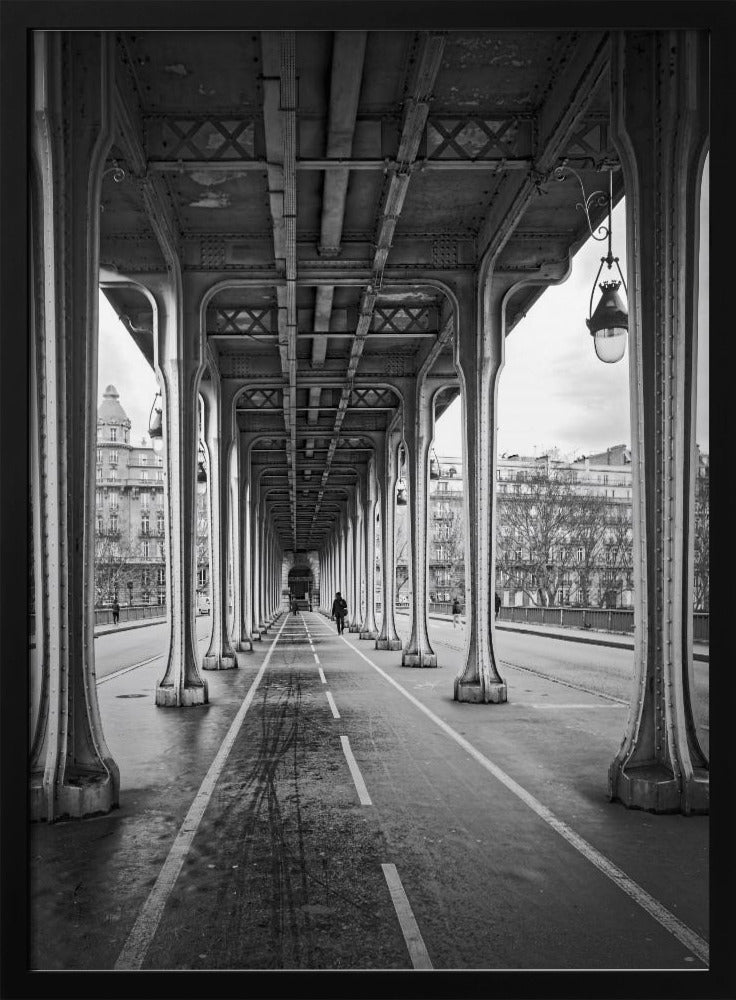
(409, 928)
(333, 706)
(322, 675)
(365, 799)
(653, 907)
(316, 658)
(141, 935)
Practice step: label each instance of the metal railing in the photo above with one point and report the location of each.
(103, 616)
(619, 620)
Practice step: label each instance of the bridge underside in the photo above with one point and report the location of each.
(327, 236)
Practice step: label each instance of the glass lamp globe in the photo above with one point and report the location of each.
(609, 324)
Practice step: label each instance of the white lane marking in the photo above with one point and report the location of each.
(409, 928)
(141, 663)
(333, 706)
(542, 704)
(365, 799)
(125, 670)
(144, 928)
(316, 658)
(322, 675)
(692, 941)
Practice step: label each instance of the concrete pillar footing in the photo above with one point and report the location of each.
(90, 795)
(354, 628)
(245, 646)
(368, 635)
(476, 692)
(419, 660)
(169, 696)
(216, 661)
(654, 788)
(389, 644)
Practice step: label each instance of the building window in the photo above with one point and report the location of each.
(113, 522)
(145, 547)
(161, 550)
(99, 496)
(580, 553)
(112, 474)
(113, 501)
(160, 475)
(113, 433)
(160, 522)
(125, 435)
(99, 524)
(99, 456)
(113, 457)
(145, 578)
(144, 459)
(161, 577)
(162, 595)
(159, 460)
(202, 577)
(144, 475)
(145, 524)
(99, 473)
(144, 501)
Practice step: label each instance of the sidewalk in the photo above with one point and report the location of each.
(701, 651)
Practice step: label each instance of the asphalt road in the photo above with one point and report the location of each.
(331, 809)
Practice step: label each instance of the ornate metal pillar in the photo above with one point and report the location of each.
(218, 435)
(659, 123)
(241, 634)
(72, 770)
(256, 565)
(368, 628)
(357, 519)
(419, 422)
(388, 637)
(478, 358)
(180, 365)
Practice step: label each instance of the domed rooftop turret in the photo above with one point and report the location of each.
(110, 411)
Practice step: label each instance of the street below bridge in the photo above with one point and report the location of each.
(329, 809)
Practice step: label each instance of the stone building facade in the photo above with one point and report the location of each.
(129, 536)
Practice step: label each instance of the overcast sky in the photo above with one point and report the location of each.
(553, 391)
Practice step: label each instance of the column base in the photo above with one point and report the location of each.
(255, 635)
(419, 660)
(245, 646)
(354, 628)
(84, 795)
(215, 661)
(167, 696)
(389, 644)
(480, 694)
(654, 788)
(368, 635)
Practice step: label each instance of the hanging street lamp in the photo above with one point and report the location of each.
(609, 323)
(155, 426)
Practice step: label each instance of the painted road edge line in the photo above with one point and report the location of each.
(333, 706)
(692, 941)
(322, 675)
(365, 799)
(144, 928)
(409, 927)
(126, 670)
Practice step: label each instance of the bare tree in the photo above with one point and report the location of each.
(617, 564)
(114, 559)
(702, 541)
(536, 522)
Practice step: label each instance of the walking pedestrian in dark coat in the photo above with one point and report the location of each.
(498, 604)
(115, 611)
(339, 610)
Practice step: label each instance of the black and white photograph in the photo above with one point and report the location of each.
(357, 551)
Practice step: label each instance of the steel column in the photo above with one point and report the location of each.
(368, 628)
(72, 770)
(388, 637)
(659, 121)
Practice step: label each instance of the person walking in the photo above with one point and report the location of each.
(294, 605)
(339, 610)
(115, 611)
(498, 603)
(456, 612)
